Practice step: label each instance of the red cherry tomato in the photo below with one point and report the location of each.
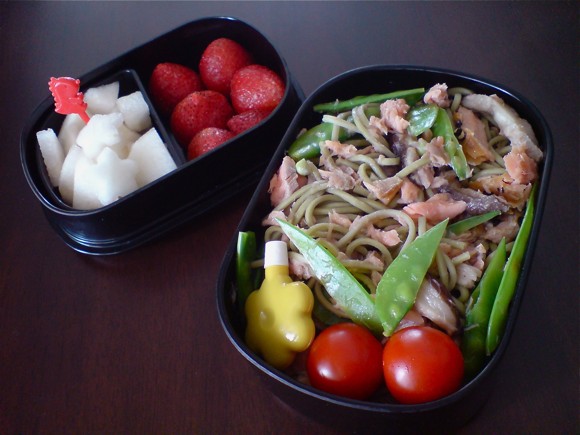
(421, 364)
(346, 360)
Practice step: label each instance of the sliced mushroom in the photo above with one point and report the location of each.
(434, 302)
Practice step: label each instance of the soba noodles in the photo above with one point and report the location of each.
(359, 198)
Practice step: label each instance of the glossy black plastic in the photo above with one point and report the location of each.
(439, 416)
(194, 187)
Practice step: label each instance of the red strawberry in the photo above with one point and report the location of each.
(197, 111)
(170, 83)
(219, 61)
(246, 120)
(206, 140)
(256, 87)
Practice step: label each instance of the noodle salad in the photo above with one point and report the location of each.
(358, 200)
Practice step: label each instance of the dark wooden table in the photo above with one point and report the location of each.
(132, 343)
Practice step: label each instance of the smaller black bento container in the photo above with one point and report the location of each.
(439, 416)
(194, 187)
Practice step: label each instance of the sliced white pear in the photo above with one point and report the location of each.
(84, 190)
(102, 99)
(114, 177)
(67, 174)
(127, 139)
(69, 131)
(152, 157)
(52, 153)
(135, 111)
(101, 131)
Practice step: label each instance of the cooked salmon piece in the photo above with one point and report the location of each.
(425, 174)
(505, 187)
(384, 190)
(437, 95)
(374, 258)
(437, 208)
(339, 219)
(285, 182)
(517, 130)
(475, 144)
(522, 168)
(299, 267)
(410, 192)
(477, 202)
(445, 178)
(271, 218)
(342, 177)
(508, 228)
(340, 149)
(392, 117)
(436, 151)
(388, 238)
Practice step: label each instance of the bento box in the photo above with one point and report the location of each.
(382, 414)
(195, 186)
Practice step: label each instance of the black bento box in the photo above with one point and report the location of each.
(195, 186)
(440, 416)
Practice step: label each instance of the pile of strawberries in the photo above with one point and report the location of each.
(229, 95)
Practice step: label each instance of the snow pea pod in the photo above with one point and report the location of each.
(410, 95)
(339, 283)
(421, 118)
(477, 317)
(443, 127)
(246, 253)
(401, 281)
(507, 286)
(306, 146)
(471, 222)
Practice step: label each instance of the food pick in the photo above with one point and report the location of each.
(67, 97)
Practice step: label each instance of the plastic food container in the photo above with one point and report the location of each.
(363, 416)
(194, 187)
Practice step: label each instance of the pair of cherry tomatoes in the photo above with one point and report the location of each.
(419, 364)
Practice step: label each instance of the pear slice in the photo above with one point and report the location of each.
(135, 111)
(52, 153)
(100, 132)
(152, 157)
(102, 99)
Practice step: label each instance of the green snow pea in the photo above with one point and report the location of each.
(410, 95)
(471, 222)
(421, 118)
(477, 316)
(339, 283)
(401, 281)
(307, 145)
(507, 287)
(443, 127)
(246, 253)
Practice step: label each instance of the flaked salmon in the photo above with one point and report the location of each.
(437, 208)
(285, 182)
(475, 144)
(437, 94)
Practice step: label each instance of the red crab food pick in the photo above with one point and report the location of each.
(67, 97)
